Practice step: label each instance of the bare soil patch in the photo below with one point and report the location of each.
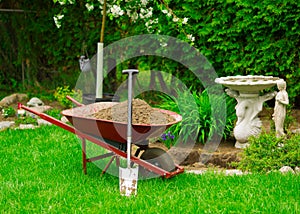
(198, 157)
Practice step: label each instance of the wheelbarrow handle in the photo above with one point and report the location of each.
(74, 101)
(48, 118)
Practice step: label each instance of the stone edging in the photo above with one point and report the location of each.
(227, 172)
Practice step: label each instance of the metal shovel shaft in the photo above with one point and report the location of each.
(130, 73)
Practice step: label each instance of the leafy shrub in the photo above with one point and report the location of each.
(198, 119)
(54, 113)
(267, 152)
(43, 94)
(26, 120)
(8, 112)
(61, 93)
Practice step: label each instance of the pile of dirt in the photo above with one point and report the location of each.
(142, 113)
(198, 157)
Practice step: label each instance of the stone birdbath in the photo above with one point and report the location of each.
(247, 90)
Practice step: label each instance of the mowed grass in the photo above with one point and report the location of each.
(41, 172)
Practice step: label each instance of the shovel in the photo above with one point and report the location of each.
(128, 177)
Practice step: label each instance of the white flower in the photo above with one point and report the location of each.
(175, 19)
(128, 12)
(57, 19)
(89, 6)
(164, 44)
(134, 16)
(144, 2)
(169, 14)
(62, 2)
(116, 11)
(165, 11)
(185, 20)
(147, 13)
(190, 37)
(150, 23)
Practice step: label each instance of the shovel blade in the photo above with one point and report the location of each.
(128, 178)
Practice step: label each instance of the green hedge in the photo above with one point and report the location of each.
(237, 36)
(249, 37)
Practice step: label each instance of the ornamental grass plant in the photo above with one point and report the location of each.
(198, 119)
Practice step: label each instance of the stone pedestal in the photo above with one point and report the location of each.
(246, 90)
(247, 109)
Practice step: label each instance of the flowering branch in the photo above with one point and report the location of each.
(176, 19)
(135, 10)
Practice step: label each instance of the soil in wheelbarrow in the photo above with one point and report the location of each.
(142, 113)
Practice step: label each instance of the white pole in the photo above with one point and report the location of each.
(99, 80)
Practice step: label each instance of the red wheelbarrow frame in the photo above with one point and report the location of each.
(114, 152)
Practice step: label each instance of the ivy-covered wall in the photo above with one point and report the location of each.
(239, 37)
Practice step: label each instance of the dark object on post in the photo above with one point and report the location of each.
(91, 98)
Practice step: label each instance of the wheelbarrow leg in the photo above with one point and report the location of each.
(117, 161)
(108, 164)
(84, 160)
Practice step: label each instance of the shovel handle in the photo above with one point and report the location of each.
(130, 73)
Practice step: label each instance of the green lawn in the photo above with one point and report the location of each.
(41, 172)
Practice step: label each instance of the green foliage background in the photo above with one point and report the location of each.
(239, 37)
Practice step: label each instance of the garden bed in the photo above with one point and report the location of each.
(225, 154)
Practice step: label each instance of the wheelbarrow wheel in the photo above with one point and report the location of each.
(157, 157)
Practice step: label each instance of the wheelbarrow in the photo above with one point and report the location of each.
(111, 136)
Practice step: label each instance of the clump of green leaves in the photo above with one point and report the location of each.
(267, 153)
(168, 139)
(61, 93)
(197, 118)
(56, 113)
(8, 112)
(26, 120)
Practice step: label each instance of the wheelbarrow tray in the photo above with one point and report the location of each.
(83, 120)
